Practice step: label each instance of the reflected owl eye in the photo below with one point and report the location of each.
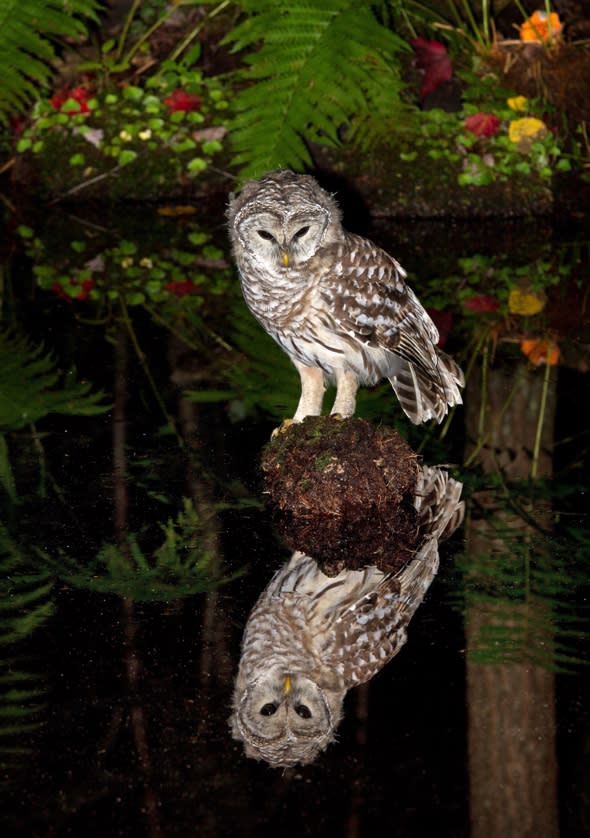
(268, 709)
(301, 232)
(264, 234)
(303, 711)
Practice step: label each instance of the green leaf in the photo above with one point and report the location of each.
(30, 386)
(126, 157)
(320, 67)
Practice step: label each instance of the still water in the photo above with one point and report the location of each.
(138, 394)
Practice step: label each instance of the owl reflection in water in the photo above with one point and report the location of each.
(311, 637)
(336, 303)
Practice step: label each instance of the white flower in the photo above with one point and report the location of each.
(145, 134)
(125, 136)
(145, 262)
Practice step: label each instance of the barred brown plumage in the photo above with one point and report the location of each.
(336, 303)
(311, 637)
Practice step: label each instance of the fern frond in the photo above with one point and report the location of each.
(26, 30)
(32, 387)
(318, 70)
(180, 566)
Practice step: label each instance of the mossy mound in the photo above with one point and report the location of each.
(343, 492)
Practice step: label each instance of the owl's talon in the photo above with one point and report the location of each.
(283, 427)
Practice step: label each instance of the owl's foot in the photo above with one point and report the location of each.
(283, 427)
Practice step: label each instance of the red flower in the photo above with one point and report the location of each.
(481, 303)
(79, 94)
(180, 100)
(433, 62)
(17, 123)
(182, 287)
(85, 288)
(482, 124)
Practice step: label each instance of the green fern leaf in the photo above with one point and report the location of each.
(318, 69)
(28, 380)
(27, 28)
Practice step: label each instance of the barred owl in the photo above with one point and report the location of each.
(311, 637)
(336, 303)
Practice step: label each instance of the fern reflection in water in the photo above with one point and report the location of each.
(521, 588)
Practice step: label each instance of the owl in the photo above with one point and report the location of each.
(336, 303)
(311, 637)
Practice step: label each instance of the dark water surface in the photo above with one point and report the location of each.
(118, 653)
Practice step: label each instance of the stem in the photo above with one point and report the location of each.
(194, 32)
(540, 421)
(125, 30)
(146, 370)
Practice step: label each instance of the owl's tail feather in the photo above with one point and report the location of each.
(440, 510)
(428, 393)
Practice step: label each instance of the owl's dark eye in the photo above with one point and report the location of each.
(303, 711)
(301, 232)
(268, 709)
(264, 234)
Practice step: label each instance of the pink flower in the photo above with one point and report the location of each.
(433, 62)
(180, 100)
(482, 124)
(79, 94)
(481, 303)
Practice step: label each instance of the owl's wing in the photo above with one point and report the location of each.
(372, 631)
(364, 290)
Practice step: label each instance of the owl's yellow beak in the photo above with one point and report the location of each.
(286, 259)
(287, 685)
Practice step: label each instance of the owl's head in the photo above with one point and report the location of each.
(282, 220)
(285, 719)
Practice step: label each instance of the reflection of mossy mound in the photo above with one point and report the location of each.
(343, 492)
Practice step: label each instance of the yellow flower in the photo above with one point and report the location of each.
(517, 103)
(525, 302)
(523, 132)
(146, 262)
(145, 135)
(125, 136)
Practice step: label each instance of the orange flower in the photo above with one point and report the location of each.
(540, 351)
(540, 27)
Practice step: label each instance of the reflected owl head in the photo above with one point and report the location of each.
(282, 220)
(285, 719)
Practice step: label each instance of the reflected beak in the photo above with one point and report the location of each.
(287, 685)
(285, 259)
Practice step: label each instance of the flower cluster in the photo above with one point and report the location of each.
(165, 133)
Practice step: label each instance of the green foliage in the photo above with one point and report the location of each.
(483, 160)
(26, 603)
(319, 69)
(135, 142)
(173, 274)
(32, 386)
(27, 28)
(181, 565)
